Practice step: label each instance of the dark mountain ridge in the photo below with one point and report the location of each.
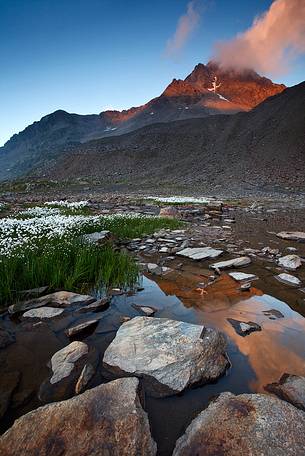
(257, 150)
(194, 97)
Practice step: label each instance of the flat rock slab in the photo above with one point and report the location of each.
(244, 328)
(200, 253)
(234, 263)
(66, 368)
(291, 388)
(97, 306)
(81, 328)
(288, 279)
(169, 355)
(241, 276)
(43, 313)
(248, 424)
(106, 420)
(58, 299)
(147, 310)
(290, 262)
(292, 235)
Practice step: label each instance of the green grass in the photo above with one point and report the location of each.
(129, 228)
(65, 264)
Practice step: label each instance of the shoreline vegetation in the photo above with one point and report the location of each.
(43, 246)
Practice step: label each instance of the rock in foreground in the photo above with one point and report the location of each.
(249, 424)
(106, 420)
(234, 263)
(169, 355)
(291, 388)
(292, 235)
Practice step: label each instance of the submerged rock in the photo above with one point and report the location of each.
(169, 355)
(234, 263)
(291, 262)
(6, 338)
(8, 383)
(200, 253)
(288, 279)
(244, 328)
(58, 299)
(291, 388)
(292, 235)
(106, 420)
(147, 310)
(66, 367)
(248, 424)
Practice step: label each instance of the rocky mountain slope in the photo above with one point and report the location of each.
(208, 90)
(261, 150)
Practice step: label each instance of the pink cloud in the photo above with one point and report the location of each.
(271, 43)
(185, 26)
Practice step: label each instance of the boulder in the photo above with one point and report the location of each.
(288, 279)
(106, 420)
(169, 211)
(169, 355)
(96, 238)
(66, 368)
(292, 235)
(58, 299)
(248, 424)
(244, 328)
(234, 263)
(291, 388)
(291, 262)
(43, 313)
(200, 253)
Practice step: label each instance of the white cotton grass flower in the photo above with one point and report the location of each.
(67, 204)
(46, 223)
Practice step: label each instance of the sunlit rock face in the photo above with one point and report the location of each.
(105, 420)
(253, 424)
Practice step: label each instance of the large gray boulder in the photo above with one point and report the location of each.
(169, 355)
(291, 388)
(249, 424)
(106, 420)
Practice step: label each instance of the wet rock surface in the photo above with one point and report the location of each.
(108, 419)
(66, 368)
(8, 383)
(169, 355)
(290, 388)
(253, 424)
(244, 328)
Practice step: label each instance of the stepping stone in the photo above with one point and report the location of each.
(43, 313)
(200, 253)
(81, 328)
(288, 279)
(234, 263)
(291, 262)
(168, 355)
(147, 310)
(292, 235)
(241, 276)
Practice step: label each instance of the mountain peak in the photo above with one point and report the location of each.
(178, 87)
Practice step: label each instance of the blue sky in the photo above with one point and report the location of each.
(85, 56)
